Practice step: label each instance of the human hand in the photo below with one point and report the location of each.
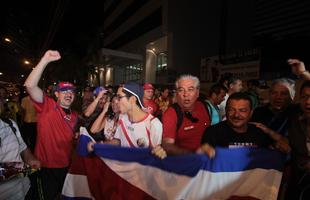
(207, 149)
(298, 67)
(76, 135)
(90, 146)
(283, 145)
(101, 94)
(34, 163)
(51, 56)
(261, 126)
(271, 133)
(159, 152)
(106, 107)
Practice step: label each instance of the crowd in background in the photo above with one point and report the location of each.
(171, 121)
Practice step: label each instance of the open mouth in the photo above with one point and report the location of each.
(187, 101)
(68, 98)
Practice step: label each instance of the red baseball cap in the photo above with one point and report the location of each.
(148, 86)
(64, 86)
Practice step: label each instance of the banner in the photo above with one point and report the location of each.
(131, 173)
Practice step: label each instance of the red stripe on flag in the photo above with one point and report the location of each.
(106, 184)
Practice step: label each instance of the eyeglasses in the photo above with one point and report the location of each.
(120, 96)
(189, 116)
(67, 92)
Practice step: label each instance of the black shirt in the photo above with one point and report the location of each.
(276, 121)
(223, 135)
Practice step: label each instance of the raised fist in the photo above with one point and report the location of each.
(51, 56)
(298, 67)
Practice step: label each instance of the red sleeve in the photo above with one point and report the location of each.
(169, 121)
(44, 105)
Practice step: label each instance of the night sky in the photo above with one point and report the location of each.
(35, 26)
(280, 28)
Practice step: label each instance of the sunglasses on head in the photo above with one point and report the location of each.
(189, 116)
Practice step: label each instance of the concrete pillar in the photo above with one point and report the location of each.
(150, 66)
(102, 76)
(109, 75)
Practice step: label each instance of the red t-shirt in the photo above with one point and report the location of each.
(55, 134)
(151, 107)
(189, 134)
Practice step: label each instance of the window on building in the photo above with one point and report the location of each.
(133, 72)
(161, 63)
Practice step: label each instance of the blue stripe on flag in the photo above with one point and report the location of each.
(226, 160)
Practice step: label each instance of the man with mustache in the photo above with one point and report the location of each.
(185, 138)
(55, 128)
(236, 131)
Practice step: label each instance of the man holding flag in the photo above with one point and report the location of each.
(132, 173)
(136, 128)
(236, 131)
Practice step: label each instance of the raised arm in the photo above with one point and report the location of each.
(92, 107)
(33, 79)
(99, 123)
(299, 69)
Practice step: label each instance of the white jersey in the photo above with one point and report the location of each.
(145, 133)
(109, 128)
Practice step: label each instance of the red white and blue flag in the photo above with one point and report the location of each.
(134, 173)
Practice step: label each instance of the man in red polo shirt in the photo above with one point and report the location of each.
(55, 128)
(185, 138)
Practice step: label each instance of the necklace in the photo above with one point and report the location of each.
(67, 112)
(67, 117)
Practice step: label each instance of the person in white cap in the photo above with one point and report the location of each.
(137, 128)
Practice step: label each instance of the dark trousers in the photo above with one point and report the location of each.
(29, 134)
(33, 191)
(51, 182)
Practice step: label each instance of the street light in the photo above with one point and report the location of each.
(26, 62)
(7, 40)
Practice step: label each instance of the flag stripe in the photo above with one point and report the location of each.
(132, 173)
(152, 180)
(79, 188)
(228, 160)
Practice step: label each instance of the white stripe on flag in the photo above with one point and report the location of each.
(259, 183)
(76, 186)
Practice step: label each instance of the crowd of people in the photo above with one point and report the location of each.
(169, 122)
